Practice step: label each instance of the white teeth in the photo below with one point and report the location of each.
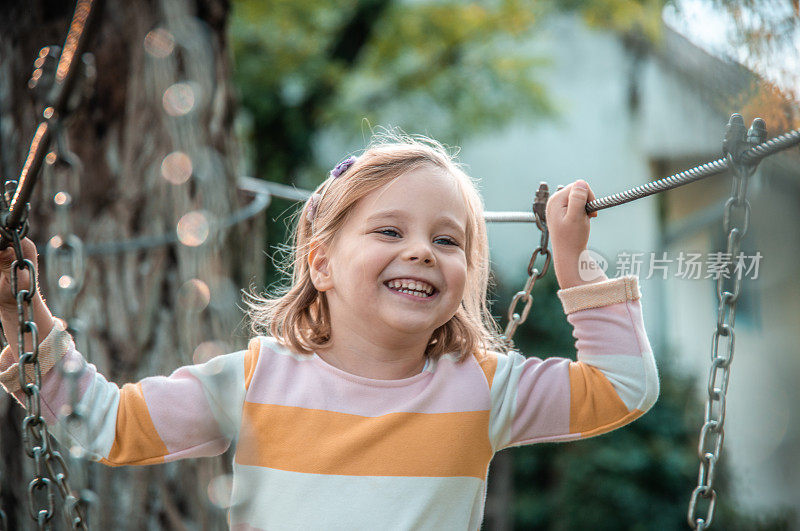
(414, 293)
(411, 287)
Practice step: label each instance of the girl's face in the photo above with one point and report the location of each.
(408, 235)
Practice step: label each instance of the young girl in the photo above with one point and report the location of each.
(382, 392)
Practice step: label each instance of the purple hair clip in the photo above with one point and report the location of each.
(315, 199)
(343, 166)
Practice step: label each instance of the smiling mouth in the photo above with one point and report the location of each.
(418, 289)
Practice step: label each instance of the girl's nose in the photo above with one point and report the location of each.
(420, 252)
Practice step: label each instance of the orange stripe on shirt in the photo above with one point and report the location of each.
(397, 444)
(594, 407)
(250, 360)
(488, 363)
(136, 441)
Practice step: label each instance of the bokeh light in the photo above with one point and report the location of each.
(77, 452)
(179, 99)
(193, 229)
(176, 167)
(208, 350)
(65, 281)
(62, 199)
(194, 295)
(159, 43)
(220, 489)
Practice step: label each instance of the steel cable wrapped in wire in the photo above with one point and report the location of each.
(751, 156)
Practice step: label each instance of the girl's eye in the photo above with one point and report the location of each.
(389, 232)
(447, 241)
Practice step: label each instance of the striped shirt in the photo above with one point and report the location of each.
(320, 448)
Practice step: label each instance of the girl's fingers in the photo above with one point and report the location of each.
(556, 203)
(578, 195)
(591, 198)
(7, 258)
(563, 199)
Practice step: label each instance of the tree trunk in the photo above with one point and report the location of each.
(145, 311)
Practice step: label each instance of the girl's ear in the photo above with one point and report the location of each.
(319, 267)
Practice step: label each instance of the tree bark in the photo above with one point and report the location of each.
(142, 317)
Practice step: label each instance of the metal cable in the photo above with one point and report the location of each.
(715, 167)
(509, 217)
(251, 184)
(773, 145)
(256, 206)
(749, 157)
(264, 190)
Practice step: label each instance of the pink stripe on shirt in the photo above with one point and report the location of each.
(328, 390)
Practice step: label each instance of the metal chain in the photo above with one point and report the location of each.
(65, 260)
(36, 441)
(5, 198)
(516, 318)
(712, 433)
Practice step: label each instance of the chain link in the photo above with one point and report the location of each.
(36, 440)
(712, 434)
(64, 250)
(516, 318)
(65, 261)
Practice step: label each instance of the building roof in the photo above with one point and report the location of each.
(726, 85)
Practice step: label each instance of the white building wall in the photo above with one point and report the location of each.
(591, 139)
(594, 138)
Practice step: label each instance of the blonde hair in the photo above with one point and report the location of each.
(298, 315)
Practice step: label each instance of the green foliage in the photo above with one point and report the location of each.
(308, 65)
(641, 17)
(458, 60)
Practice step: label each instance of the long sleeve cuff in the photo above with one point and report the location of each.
(51, 350)
(598, 294)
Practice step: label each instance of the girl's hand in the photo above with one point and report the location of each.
(566, 216)
(568, 225)
(7, 257)
(8, 303)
